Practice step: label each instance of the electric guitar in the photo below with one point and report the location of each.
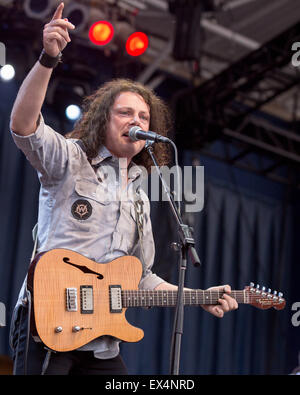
(76, 300)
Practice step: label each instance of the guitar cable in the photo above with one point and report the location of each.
(18, 342)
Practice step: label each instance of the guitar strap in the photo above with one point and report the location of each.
(34, 236)
(139, 214)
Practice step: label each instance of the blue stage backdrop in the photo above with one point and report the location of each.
(247, 231)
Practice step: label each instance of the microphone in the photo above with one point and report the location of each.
(136, 133)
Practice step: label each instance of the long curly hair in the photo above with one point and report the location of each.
(92, 126)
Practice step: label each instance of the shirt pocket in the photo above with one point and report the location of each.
(96, 192)
(88, 206)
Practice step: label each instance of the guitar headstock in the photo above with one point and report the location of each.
(264, 299)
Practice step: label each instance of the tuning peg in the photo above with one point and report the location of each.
(269, 290)
(263, 291)
(275, 295)
(251, 285)
(280, 294)
(257, 289)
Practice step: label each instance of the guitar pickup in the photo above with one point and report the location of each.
(86, 299)
(71, 299)
(115, 298)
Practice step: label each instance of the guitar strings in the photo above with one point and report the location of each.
(161, 297)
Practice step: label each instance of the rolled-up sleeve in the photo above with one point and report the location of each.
(46, 150)
(150, 281)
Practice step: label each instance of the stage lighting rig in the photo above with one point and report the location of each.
(188, 34)
(101, 32)
(137, 44)
(38, 9)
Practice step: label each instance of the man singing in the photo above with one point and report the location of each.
(80, 206)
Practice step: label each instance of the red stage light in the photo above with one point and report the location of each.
(101, 32)
(136, 44)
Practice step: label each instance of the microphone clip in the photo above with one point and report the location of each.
(149, 144)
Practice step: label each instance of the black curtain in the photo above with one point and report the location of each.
(247, 231)
(239, 238)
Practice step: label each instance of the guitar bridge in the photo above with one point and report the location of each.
(115, 298)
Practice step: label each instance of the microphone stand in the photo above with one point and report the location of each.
(187, 244)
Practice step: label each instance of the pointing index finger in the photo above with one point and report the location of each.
(58, 12)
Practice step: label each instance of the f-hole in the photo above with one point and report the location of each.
(84, 269)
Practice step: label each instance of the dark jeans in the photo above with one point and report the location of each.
(60, 363)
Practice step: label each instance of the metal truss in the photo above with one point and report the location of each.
(226, 106)
(246, 150)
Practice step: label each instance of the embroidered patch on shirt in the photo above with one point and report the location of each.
(81, 209)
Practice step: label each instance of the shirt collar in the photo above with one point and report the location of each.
(134, 171)
(103, 153)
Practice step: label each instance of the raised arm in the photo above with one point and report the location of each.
(31, 95)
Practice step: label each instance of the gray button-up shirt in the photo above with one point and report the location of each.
(84, 207)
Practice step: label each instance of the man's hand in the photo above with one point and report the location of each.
(226, 303)
(55, 34)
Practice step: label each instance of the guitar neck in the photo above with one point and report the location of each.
(147, 298)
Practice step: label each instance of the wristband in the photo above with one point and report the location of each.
(49, 61)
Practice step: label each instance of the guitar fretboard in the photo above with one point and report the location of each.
(136, 298)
